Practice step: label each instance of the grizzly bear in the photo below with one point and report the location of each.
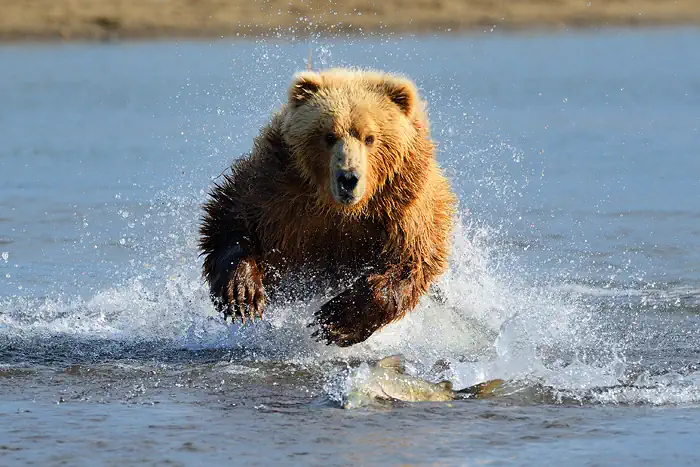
(343, 181)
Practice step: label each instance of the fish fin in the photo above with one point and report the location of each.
(446, 385)
(480, 390)
(395, 362)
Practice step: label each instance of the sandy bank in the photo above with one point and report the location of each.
(101, 19)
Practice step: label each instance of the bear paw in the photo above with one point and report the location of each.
(244, 296)
(344, 320)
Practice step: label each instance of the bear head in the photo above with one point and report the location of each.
(349, 132)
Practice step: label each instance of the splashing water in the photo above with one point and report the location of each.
(503, 315)
(490, 323)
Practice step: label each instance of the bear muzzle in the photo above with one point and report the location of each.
(348, 173)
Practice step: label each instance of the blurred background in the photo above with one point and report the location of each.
(98, 19)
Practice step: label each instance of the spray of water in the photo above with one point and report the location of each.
(494, 321)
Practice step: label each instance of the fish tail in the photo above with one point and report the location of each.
(479, 390)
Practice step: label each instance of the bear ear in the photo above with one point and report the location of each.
(304, 85)
(402, 92)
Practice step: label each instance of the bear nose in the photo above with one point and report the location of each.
(347, 181)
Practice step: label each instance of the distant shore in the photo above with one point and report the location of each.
(156, 19)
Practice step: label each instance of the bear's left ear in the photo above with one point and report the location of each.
(304, 85)
(402, 92)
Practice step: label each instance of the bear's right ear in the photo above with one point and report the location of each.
(401, 91)
(305, 85)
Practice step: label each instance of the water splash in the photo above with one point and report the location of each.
(500, 318)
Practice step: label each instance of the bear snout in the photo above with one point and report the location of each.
(348, 172)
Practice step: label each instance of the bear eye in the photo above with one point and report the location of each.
(369, 140)
(331, 139)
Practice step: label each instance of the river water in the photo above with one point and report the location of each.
(575, 273)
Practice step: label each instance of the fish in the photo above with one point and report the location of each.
(387, 380)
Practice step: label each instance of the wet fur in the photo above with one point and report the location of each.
(274, 214)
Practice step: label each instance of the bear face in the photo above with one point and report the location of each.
(348, 132)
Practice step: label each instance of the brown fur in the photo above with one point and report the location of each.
(274, 212)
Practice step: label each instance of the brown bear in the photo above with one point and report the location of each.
(343, 180)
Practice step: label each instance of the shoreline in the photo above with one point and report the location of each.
(128, 20)
(186, 36)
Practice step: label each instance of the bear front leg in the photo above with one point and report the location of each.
(372, 302)
(235, 283)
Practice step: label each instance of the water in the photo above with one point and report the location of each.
(575, 272)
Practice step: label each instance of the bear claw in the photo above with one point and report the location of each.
(244, 295)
